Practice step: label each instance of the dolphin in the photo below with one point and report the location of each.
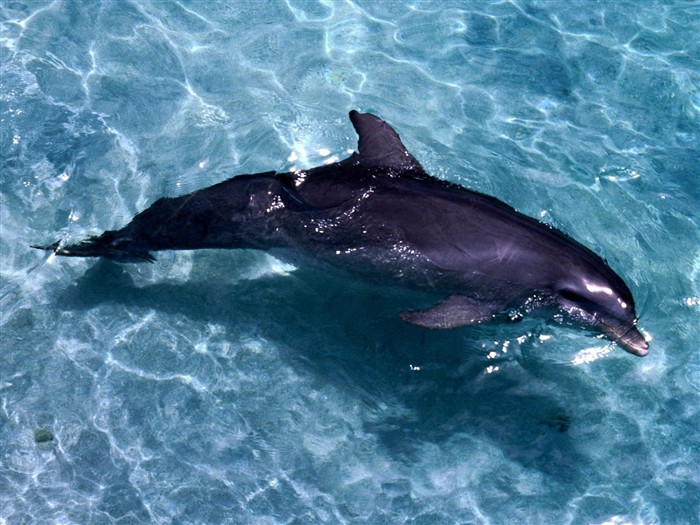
(377, 214)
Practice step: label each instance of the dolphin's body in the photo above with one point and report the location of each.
(379, 214)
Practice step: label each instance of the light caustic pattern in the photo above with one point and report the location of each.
(226, 387)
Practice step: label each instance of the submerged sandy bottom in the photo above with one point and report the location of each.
(228, 387)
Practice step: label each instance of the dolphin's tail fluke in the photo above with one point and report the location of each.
(111, 245)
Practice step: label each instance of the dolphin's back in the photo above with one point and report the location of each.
(455, 229)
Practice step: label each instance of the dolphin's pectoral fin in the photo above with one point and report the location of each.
(456, 310)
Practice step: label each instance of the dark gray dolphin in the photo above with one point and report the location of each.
(379, 214)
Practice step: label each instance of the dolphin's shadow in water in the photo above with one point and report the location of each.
(449, 395)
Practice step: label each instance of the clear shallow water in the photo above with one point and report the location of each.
(223, 387)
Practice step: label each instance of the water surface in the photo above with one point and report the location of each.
(227, 387)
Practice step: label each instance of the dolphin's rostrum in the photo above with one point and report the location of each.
(379, 214)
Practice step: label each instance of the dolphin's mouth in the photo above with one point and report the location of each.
(624, 333)
(629, 338)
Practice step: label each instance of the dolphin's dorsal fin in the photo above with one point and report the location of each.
(379, 145)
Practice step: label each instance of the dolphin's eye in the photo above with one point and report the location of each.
(571, 295)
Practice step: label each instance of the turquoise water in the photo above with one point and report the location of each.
(229, 387)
